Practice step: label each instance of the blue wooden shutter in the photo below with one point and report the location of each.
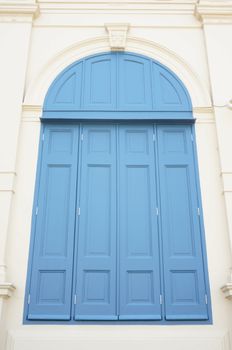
(134, 76)
(51, 274)
(100, 83)
(96, 256)
(182, 248)
(139, 251)
(169, 92)
(65, 92)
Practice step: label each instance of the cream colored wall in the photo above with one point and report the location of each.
(219, 56)
(15, 39)
(61, 34)
(14, 52)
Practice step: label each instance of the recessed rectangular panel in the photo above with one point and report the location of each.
(96, 287)
(184, 287)
(100, 83)
(134, 83)
(98, 210)
(57, 205)
(99, 141)
(51, 287)
(134, 80)
(174, 142)
(179, 210)
(61, 141)
(136, 141)
(138, 201)
(140, 287)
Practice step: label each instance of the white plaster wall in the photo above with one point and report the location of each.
(55, 40)
(219, 55)
(13, 63)
(219, 48)
(14, 40)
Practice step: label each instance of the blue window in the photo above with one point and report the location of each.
(117, 233)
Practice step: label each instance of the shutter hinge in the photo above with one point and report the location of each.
(36, 211)
(43, 137)
(198, 211)
(82, 137)
(161, 299)
(29, 299)
(75, 299)
(206, 299)
(154, 137)
(79, 211)
(157, 211)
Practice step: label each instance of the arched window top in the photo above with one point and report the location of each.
(117, 86)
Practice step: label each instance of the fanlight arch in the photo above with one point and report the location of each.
(117, 86)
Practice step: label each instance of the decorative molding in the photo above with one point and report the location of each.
(227, 290)
(32, 108)
(214, 12)
(117, 35)
(40, 83)
(31, 113)
(119, 7)
(201, 337)
(223, 172)
(227, 185)
(7, 181)
(203, 110)
(230, 104)
(6, 289)
(17, 9)
(204, 115)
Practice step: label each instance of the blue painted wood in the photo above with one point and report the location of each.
(51, 272)
(117, 251)
(100, 83)
(202, 228)
(138, 229)
(117, 269)
(96, 256)
(116, 82)
(33, 227)
(184, 279)
(122, 115)
(169, 94)
(65, 92)
(134, 88)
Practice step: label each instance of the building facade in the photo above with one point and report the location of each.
(116, 174)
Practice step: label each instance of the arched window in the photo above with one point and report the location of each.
(118, 227)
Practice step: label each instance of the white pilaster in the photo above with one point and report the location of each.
(216, 17)
(15, 29)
